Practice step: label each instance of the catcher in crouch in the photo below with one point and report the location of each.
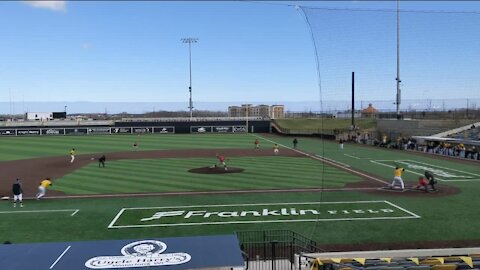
(221, 161)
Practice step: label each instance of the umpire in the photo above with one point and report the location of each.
(17, 193)
(431, 180)
(101, 161)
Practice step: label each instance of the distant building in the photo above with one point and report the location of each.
(40, 116)
(347, 114)
(369, 112)
(277, 111)
(273, 112)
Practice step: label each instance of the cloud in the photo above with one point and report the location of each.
(86, 46)
(52, 5)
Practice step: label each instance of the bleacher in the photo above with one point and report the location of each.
(471, 261)
(403, 259)
(470, 134)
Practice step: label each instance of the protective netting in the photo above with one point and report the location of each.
(439, 56)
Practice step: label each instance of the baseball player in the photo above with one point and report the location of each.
(422, 184)
(135, 146)
(101, 161)
(42, 188)
(257, 144)
(431, 180)
(17, 193)
(397, 178)
(72, 155)
(295, 143)
(221, 161)
(275, 149)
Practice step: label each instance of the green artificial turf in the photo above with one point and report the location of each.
(171, 174)
(29, 147)
(452, 217)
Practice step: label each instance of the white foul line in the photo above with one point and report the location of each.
(74, 213)
(332, 160)
(326, 161)
(39, 211)
(115, 218)
(403, 209)
(61, 255)
(352, 156)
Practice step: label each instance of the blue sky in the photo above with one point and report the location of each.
(247, 51)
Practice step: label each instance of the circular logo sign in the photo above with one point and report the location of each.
(144, 248)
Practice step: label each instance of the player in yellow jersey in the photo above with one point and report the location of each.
(42, 188)
(72, 155)
(397, 178)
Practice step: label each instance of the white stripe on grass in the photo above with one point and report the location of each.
(324, 160)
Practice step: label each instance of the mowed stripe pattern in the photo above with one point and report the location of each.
(171, 174)
(29, 147)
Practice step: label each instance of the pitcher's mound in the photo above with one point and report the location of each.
(216, 170)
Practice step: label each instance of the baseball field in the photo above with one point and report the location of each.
(331, 195)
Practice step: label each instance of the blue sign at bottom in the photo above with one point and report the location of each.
(156, 253)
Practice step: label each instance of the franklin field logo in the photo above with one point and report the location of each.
(199, 215)
(139, 254)
(262, 213)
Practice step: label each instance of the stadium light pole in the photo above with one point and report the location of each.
(190, 41)
(246, 116)
(398, 62)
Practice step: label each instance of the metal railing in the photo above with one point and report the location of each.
(274, 249)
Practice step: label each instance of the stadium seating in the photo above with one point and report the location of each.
(459, 262)
(469, 134)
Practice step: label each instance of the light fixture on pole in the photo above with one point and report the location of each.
(190, 41)
(399, 93)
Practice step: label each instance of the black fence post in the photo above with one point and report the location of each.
(273, 255)
(264, 246)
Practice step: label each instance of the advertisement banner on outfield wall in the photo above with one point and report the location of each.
(75, 131)
(240, 129)
(223, 129)
(99, 130)
(121, 130)
(53, 131)
(7, 132)
(164, 130)
(200, 129)
(23, 132)
(142, 130)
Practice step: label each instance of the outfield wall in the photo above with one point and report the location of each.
(142, 128)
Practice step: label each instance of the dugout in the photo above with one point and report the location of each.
(198, 252)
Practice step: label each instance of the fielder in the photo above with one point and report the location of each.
(397, 179)
(275, 149)
(42, 188)
(101, 161)
(257, 144)
(72, 155)
(17, 193)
